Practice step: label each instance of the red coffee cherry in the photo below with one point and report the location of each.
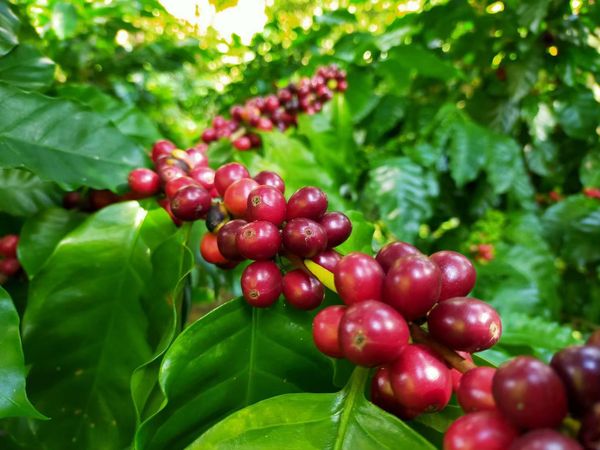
(589, 433)
(545, 440)
(390, 253)
(325, 330)
(482, 430)
(304, 237)
(327, 259)
(190, 203)
(162, 149)
(143, 181)
(261, 283)
(242, 143)
(337, 226)
(226, 239)
(302, 290)
(174, 186)
(594, 339)
(209, 135)
(308, 202)
(475, 390)
(9, 266)
(258, 240)
(236, 196)
(383, 396)
(458, 274)
(210, 250)
(204, 176)
(266, 203)
(227, 174)
(8, 245)
(358, 277)
(270, 179)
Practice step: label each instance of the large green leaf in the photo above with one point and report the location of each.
(231, 358)
(344, 420)
(23, 194)
(9, 27)
(25, 67)
(13, 399)
(423, 61)
(64, 20)
(88, 326)
(59, 141)
(361, 238)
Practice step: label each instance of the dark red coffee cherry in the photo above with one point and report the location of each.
(143, 181)
(327, 259)
(482, 430)
(267, 178)
(162, 149)
(174, 186)
(412, 286)
(475, 390)
(236, 196)
(261, 283)
(579, 369)
(382, 395)
(304, 237)
(102, 198)
(210, 250)
(465, 324)
(594, 339)
(168, 173)
(9, 266)
(227, 174)
(266, 203)
(390, 253)
(372, 333)
(209, 135)
(325, 330)
(190, 203)
(545, 440)
(8, 245)
(258, 240)
(226, 239)
(302, 290)
(242, 143)
(308, 202)
(529, 393)
(458, 274)
(337, 226)
(420, 380)
(204, 176)
(358, 277)
(589, 433)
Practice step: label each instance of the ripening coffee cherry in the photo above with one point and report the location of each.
(8, 245)
(258, 240)
(190, 203)
(412, 286)
(420, 380)
(308, 202)
(327, 259)
(204, 176)
(372, 333)
(227, 174)
(382, 395)
(209, 135)
(143, 181)
(579, 369)
(594, 339)
(226, 239)
(390, 253)
(358, 277)
(325, 330)
(266, 203)
(458, 274)
(267, 178)
(545, 439)
(162, 149)
(465, 324)
(589, 433)
(9, 266)
(337, 226)
(304, 237)
(302, 290)
(482, 430)
(210, 250)
(242, 143)
(236, 196)
(475, 390)
(529, 393)
(174, 186)
(261, 283)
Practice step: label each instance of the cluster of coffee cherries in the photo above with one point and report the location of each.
(9, 264)
(278, 110)
(522, 404)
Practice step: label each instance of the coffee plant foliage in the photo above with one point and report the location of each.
(463, 127)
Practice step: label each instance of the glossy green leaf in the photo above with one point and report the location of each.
(24, 194)
(64, 20)
(25, 67)
(578, 114)
(60, 142)
(423, 61)
(589, 173)
(361, 238)
(231, 358)
(9, 27)
(86, 327)
(345, 420)
(13, 398)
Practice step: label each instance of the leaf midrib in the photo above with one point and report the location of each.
(356, 387)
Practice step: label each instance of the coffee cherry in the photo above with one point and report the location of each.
(174, 186)
(169, 172)
(8, 245)
(358, 277)
(242, 143)
(325, 330)
(226, 239)
(266, 203)
(9, 266)
(458, 274)
(258, 240)
(327, 259)
(589, 433)
(145, 182)
(197, 156)
(190, 203)
(412, 286)
(308, 202)
(529, 393)
(594, 339)
(383, 396)
(102, 198)
(236, 196)
(166, 205)
(390, 253)
(204, 176)
(475, 390)
(456, 375)
(261, 283)
(302, 290)
(270, 179)
(483, 430)
(545, 440)
(579, 369)
(210, 250)
(372, 333)
(162, 149)
(465, 324)
(209, 135)
(420, 380)
(304, 237)
(337, 226)
(227, 174)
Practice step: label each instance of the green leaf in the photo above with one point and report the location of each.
(26, 68)
(64, 20)
(467, 150)
(578, 114)
(589, 172)
(60, 142)
(388, 113)
(361, 239)
(345, 420)
(13, 399)
(231, 358)
(86, 327)
(41, 234)
(424, 62)
(220, 5)
(9, 28)
(531, 13)
(24, 194)
(360, 96)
